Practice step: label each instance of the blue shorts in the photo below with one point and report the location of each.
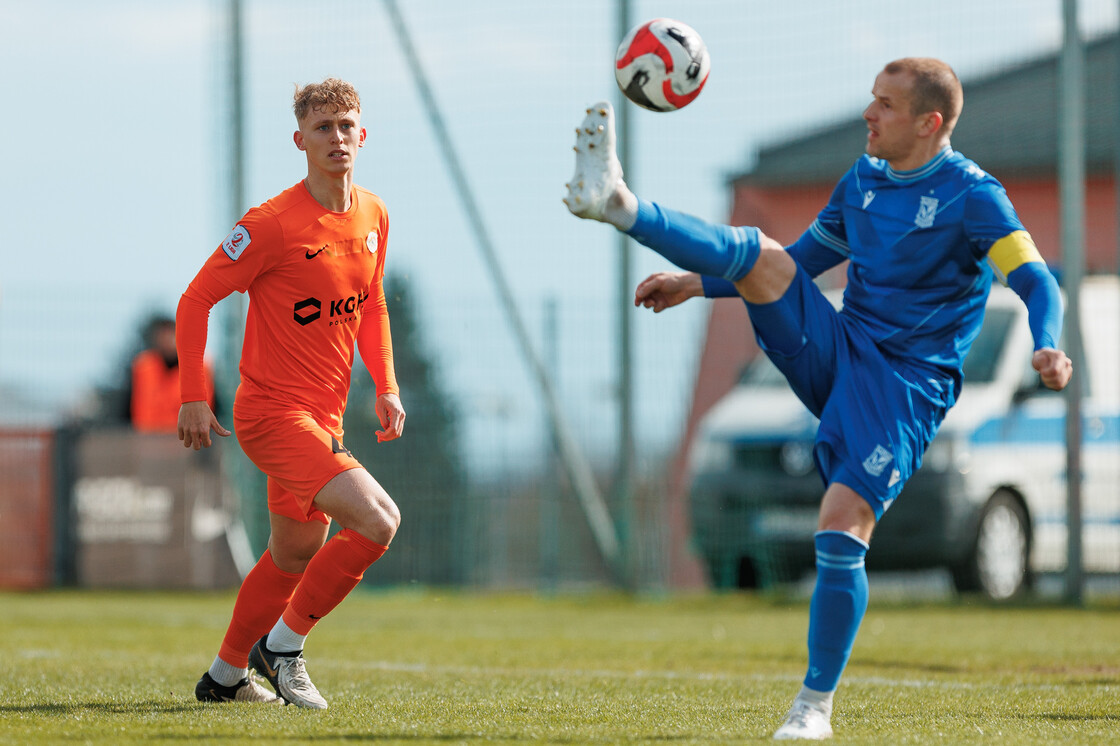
(878, 412)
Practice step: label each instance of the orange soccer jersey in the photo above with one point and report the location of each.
(314, 279)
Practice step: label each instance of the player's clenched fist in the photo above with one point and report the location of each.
(1053, 367)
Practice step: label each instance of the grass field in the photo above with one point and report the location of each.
(435, 667)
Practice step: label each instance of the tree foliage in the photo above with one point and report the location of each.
(422, 470)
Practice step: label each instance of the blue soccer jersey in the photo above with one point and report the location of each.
(917, 242)
(923, 247)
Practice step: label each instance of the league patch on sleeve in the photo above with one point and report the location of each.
(236, 242)
(371, 242)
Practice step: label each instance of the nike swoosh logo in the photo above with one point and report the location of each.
(268, 669)
(310, 255)
(314, 617)
(220, 698)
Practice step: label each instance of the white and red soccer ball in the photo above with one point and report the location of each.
(662, 65)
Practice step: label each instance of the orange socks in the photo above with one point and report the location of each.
(330, 576)
(267, 592)
(264, 593)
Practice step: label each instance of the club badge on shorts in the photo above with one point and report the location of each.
(877, 461)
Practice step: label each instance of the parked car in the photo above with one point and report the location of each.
(989, 501)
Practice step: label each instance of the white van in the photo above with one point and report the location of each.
(989, 502)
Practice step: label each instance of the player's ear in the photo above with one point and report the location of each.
(362, 138)
(297, 138)
(931, 123)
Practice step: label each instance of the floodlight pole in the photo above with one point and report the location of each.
(236, 465)
(233, 309)
(234, 306)
(1071, 189)
(624, 476)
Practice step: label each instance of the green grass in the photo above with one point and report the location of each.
(435, 667)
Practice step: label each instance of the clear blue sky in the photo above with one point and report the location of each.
(116, 160)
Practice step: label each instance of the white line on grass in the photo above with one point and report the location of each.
(883, 681)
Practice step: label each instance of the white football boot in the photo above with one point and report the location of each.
(598, 171)
(287, 673)
(246, 690)
(805, 722)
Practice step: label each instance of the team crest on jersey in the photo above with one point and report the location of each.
(236, 242)
(927, 211)
(877, 461)
(371, 242)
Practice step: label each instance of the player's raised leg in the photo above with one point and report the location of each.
(597, 191)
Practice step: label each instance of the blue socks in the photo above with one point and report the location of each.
(695, 245)
(838, 605)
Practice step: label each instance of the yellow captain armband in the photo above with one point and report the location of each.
(1011, 252)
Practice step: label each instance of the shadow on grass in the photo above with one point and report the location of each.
(915, 666)
(1071, 675)
(1067, 717)
(465, 737)
(108, 708)
(133, 709)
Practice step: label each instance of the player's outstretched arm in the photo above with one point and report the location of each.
(1035, 284)
(1053, 366)
(390, 412)
(667, 289)
(196, 420)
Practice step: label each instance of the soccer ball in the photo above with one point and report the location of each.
(662, 65)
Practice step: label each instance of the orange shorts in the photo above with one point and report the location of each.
(298, 455)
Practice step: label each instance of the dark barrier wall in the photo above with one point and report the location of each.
(148, 514)
(111, 508)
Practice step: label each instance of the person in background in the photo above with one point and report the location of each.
(152, 397)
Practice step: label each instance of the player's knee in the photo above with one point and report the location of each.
(770, 277)
(380, 522)
(844, 510)
(392, 516)
(292, 557)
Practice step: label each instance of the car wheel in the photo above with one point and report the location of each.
(997, 565)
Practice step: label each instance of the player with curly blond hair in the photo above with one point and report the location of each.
(312, 260)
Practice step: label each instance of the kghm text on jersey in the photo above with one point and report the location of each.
(342, 311)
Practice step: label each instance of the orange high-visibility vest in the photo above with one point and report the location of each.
(155, 393)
